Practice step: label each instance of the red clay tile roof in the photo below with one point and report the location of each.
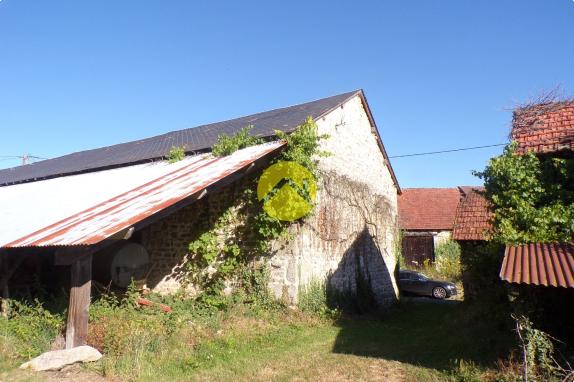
(473, 217)
(539, 264)
(544, 128)
(428, 208)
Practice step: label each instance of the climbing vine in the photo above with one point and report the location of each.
(245, 232)
(532, 198)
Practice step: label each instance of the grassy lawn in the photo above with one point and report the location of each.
(419, 340)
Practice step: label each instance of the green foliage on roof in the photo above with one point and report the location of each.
(227, 145)
(176, 154)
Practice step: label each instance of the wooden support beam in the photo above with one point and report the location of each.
(80, 289)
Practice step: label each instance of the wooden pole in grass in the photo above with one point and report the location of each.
(79, 304)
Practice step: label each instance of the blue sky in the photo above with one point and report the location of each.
(438, 74)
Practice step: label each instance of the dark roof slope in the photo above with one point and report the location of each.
(473, 216)
(199, 138)
(428, 208)
(544, 128)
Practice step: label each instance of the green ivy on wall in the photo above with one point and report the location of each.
(245, 231)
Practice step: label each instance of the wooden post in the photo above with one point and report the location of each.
(80, 286)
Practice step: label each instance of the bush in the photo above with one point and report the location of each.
(119, 326)
(480, 268)
(447, 260)
(29, 330)
(227, 145)
(176, 154)
(313, 299)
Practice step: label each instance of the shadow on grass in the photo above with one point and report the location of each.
(428, 333)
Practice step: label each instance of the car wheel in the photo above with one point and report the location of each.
(439, 293)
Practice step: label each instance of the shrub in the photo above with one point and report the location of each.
(227, 145)
(29, 330)
(313, 299)
(176, 154)
(532, 197)
(447, 260)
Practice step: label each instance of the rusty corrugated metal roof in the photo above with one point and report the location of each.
(98, 221)
(539, 264)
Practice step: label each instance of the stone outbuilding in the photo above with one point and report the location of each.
(124, 211)
(426, 217)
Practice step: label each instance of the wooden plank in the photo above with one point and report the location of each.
(80, 288)
(417, 249)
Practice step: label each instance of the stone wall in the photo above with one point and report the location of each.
(351, 233)
(441, 237)
(167, 241)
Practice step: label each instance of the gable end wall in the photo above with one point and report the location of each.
(353, 230)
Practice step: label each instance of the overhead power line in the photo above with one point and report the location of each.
(447, 151)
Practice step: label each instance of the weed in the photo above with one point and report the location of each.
(313, 299)
(29, 330)
(227, 145)
(176, 154)
(447, 260)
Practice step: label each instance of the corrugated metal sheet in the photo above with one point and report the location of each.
(89, 221)
(539, 264)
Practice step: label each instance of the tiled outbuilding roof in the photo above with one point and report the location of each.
(544, 128)
(473, 216)
(539, 264)
(430, 209)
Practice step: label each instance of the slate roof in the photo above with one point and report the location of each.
(473, 217)
(544, 128)
(197, 139)
(431, 209)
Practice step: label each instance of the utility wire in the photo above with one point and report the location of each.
(447, 151)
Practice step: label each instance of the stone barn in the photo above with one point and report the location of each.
(124, 211)
(426, 217)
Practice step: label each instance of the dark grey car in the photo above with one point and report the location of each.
(411, 282)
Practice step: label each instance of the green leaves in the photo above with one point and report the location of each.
(532, 198)
(176, 154)
(205, 247)
(244, 231)
(227, 145)
(303, 145)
